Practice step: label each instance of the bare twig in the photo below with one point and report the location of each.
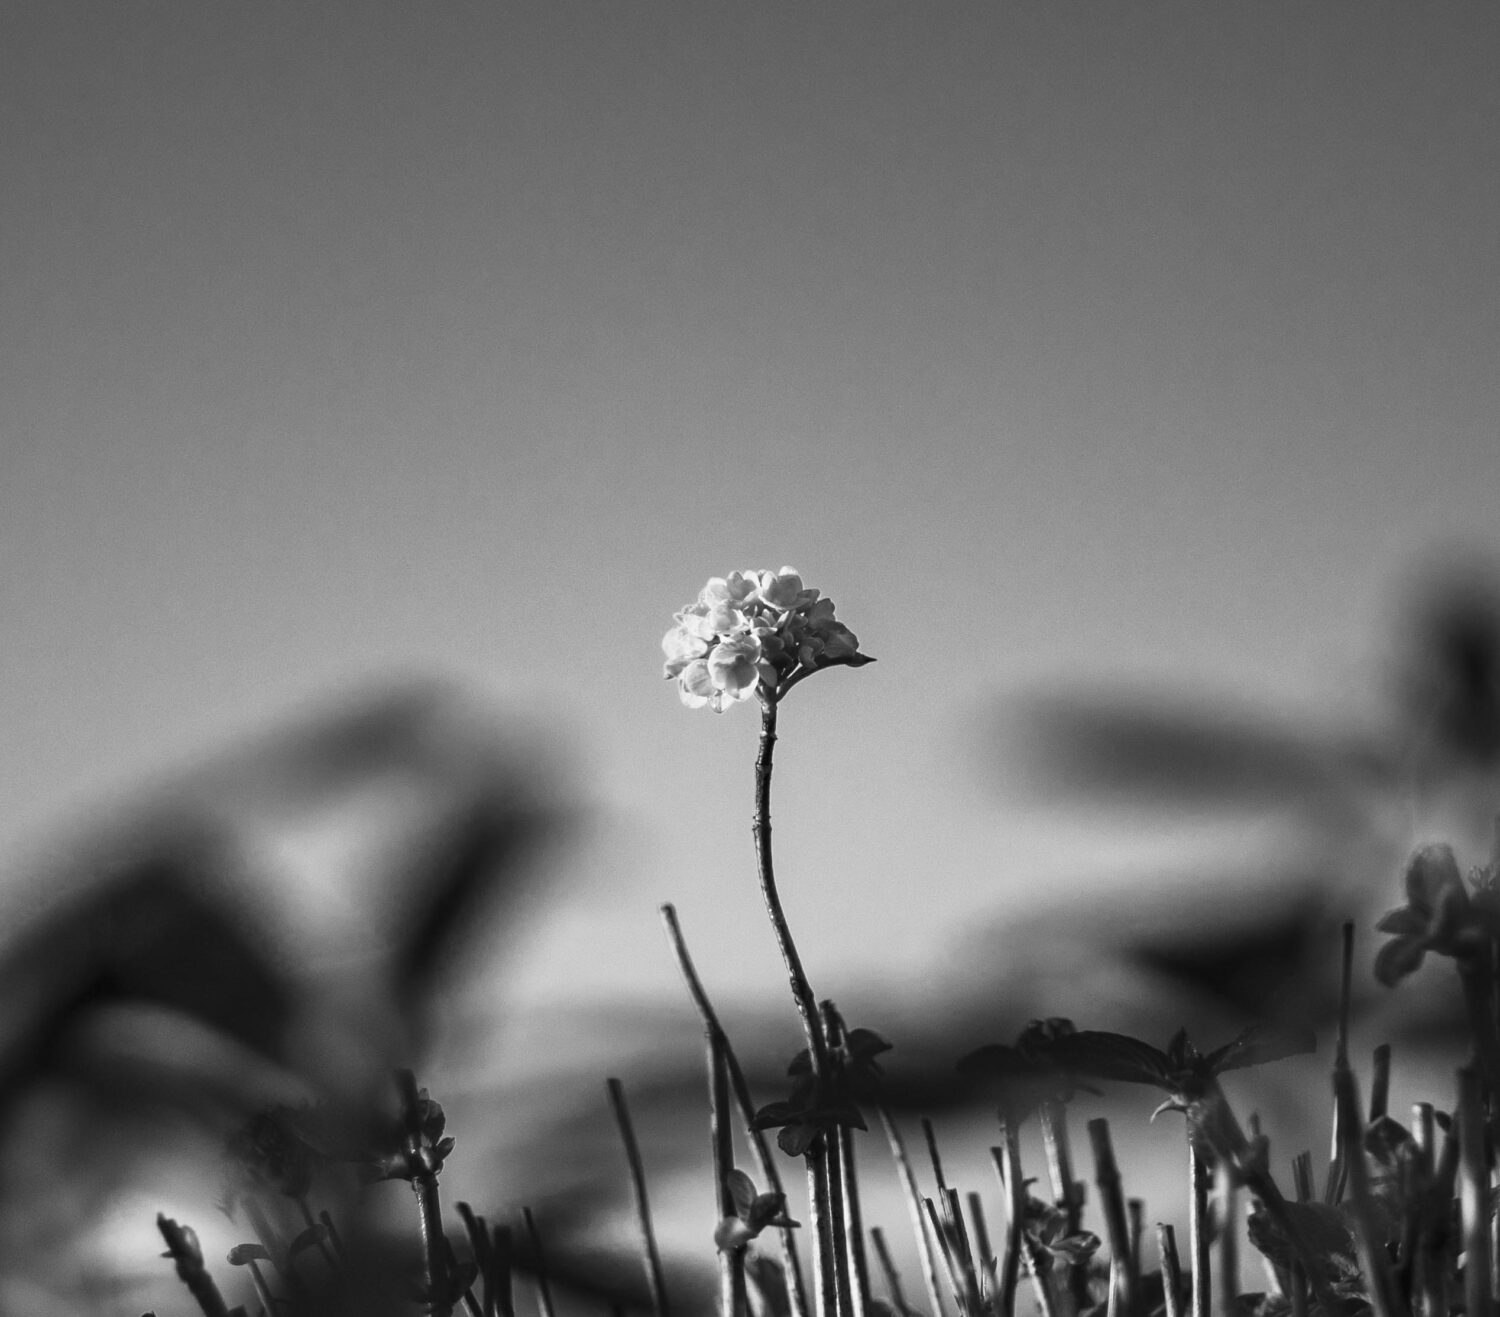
(642, 1202)
(790, 1261)
(914, 1207)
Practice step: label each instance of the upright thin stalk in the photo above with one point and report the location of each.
(847, 1195)
(1007, 1161)
(732, 1300)
(802, 993)
(892, 1276)
(543, 1284)
(1350, 1156)
(827, 1245)
(833, 1169)
(914, 1207)
(790, 1262)
(1171, 1269)
(1200, 1177)
(642, 1201)
(424, 1185)
(1229, 1239)
(854, 1238)
(1116, 1223)
(1474, 1193)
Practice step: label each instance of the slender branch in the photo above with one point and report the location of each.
(790, 1262)
(543, 1284)
(914, 1207)
(1228, 1275)
(642, 1202)
(1116, 1222)
(825, 1270)
(424, 1187)
(802, 993)
(892, 1276)
(828, 1246)
(732, 1301)
(1200, 1176)
(1474, 1193)
(1171, 1269)
(1007, 1161)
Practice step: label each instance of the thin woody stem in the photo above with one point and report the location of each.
(827, 1247)
(791, 1264)
(802, 993)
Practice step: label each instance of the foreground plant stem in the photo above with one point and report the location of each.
(827, 1247)
(732, 1298)
(802, 993)
(637, 1168)
(429, 1213)
(791, 1265)
(913, 1196)
(1200, 1177)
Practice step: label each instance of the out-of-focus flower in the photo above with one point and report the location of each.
(1439, 915)
(754, 634)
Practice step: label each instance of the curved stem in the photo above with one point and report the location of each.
(819, 1207)
(802, 993)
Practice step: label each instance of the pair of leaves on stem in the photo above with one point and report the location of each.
(816, 1106)
(1051, 1055)
(753, 1212)
(1046, 1226)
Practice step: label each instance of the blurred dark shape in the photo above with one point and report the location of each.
(148, 990)
(465, 860)
(149, 932)
(1144, 748)
(1342, 802)
(1449, 686)
(1265, 964)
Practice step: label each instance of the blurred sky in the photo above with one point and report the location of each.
(1053, 341)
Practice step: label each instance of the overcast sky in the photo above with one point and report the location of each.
(1055, 342)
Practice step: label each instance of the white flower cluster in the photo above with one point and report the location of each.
(747, 632)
